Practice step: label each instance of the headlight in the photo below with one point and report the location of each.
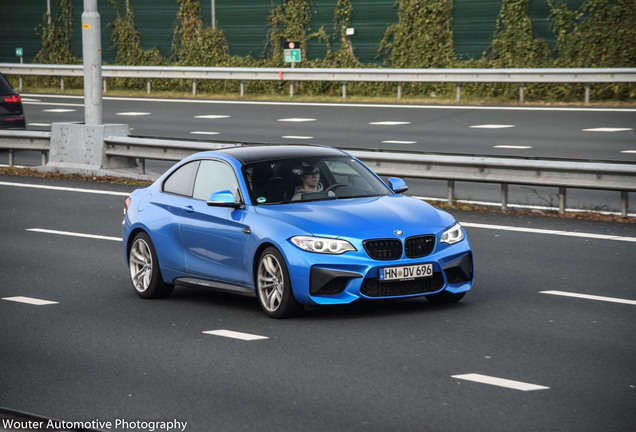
(322, 245)
(453, 235)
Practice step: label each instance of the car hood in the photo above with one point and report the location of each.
(361, 217)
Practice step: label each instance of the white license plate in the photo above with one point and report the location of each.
(406, 272)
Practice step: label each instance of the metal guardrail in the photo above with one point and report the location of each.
(585, 76)
(611, 176)
(25, 140)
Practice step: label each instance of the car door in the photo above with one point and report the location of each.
(215, 238)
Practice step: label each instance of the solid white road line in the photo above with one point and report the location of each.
(549, 232)
(235, 335)
(590, 297)
(66, 189)
(465, 224)
(74, 234)
(492, 126)
(500, 382)
(607, 129)
(30, 300)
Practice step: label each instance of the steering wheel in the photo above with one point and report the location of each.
(334, 186)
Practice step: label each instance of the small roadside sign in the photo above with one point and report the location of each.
(291, 52)
(292, 55)
(19, 52)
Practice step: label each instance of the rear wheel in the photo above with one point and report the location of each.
(144, 269)
(273, 286)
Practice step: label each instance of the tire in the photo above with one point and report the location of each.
(144, 269)
(273, 286)
(445, 297)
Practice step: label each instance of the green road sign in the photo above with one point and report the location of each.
(292, 55)
(19, 52)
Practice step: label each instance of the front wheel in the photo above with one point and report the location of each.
(144, 269)
(273, 286)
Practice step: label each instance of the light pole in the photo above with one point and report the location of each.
(92, 54)
(213, 15)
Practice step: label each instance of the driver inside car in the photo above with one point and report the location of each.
(310, 177)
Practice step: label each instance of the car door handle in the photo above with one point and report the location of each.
(188, 209)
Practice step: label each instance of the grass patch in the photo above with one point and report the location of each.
(351, 98)
(30, 172)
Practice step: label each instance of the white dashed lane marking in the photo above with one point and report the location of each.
(296, 120)
(235, 335)
(212, 116)
(389, 123)
(204, 133)
(513, 147)
(133, 114)
(297, 137)
(492, 126)
(607, 129)
(30, 300)
(59, 110)
(399, 142)
(500, 382)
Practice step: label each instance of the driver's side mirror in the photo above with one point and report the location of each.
(398, 185)
(223, 199)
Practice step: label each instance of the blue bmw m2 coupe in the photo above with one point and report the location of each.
(293, 226)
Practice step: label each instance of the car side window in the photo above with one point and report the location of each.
(181, 181)
(215, 176)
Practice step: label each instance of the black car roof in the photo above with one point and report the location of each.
(5, 87)
(258, 153)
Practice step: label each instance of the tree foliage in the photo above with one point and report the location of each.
(513, 44)
(193, 43)
(423, 36)
(127, 40)
(601, 33)
(56, 38)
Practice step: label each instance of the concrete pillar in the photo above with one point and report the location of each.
(78, 148)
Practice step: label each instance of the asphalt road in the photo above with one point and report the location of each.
(99, 353)
(547, 132)
(586, 133)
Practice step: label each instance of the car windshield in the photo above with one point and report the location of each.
(310, 179)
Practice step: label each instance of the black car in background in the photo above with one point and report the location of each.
(11, 114)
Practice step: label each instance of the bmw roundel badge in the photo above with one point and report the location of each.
(398, 232)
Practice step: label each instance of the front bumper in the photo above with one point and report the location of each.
(323, 279)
